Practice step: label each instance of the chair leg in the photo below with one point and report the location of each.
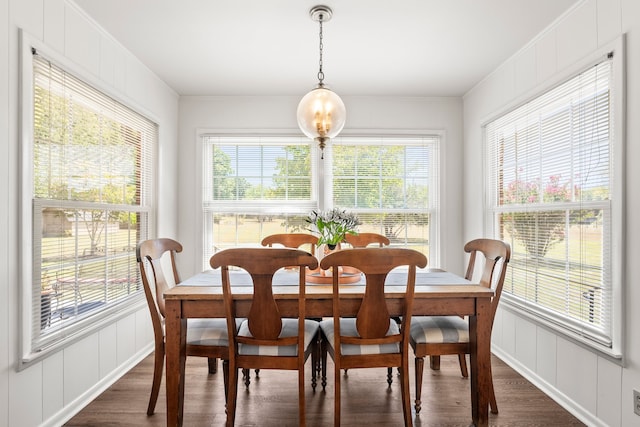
(336, 384)
(315, 359)
(323, 363)
(213, 365)
(463, 365)
(302, 418)
(492, 395)
(419, 371)
(434, 363)
(225, 373)
(246, 374)
(389, 376)
(232, 396)
(158, 365)
(406, 397)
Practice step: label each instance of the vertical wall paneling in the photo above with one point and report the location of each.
(52, 385)
(53, 26)
(108, 350)
(546, 355)
(4, 220)
(610, 402)
(595, 388)
(48, 392)
(577, 34)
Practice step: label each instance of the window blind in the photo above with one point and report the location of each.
(392, 183)
(254, 186)
(92, 186)
(550, 180)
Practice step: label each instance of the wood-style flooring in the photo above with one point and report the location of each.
(272, 400)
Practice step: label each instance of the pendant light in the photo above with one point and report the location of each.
(321, 113)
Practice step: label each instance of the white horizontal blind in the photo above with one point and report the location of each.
(392, 183)
(550, 185)
(92, 191)
(254, 186)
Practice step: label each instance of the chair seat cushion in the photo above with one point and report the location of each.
(439, 329)
(348, 329)
(289, 329)
(207, 332)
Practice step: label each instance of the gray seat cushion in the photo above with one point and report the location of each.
(348, 328)
(439, 329)
(207, 332)
(289, 329)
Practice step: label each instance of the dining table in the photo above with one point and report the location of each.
(437, 292)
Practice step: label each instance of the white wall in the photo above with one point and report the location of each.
(363, 113)
(594, 387)
(48, 391)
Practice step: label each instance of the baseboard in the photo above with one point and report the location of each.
(562, 399)
(66, 413)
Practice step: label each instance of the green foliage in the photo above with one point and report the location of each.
(333, 225)
(537, 230)
(358, 184)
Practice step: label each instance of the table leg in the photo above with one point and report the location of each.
(175, 349)
(480, 360)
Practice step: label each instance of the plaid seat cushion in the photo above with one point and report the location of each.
(439, 329)
(289, 329)
(348, 328)
(207, 332)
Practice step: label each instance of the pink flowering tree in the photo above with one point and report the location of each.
(537, 230)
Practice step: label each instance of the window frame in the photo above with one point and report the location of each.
(616, 238)
(27, 203)
(321, 190)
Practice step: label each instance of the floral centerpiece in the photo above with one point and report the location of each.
(332, 225)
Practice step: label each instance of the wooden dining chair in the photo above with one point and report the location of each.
(434, 336)
(292, 240)
(371, 339)
(266, 339)
(205, 337)
(362, 240)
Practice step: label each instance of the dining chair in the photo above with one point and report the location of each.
(295, 241)
(434, 336)
(265, 339)
(205, 337)
(362, 240)
(292, 240)
(371, 339)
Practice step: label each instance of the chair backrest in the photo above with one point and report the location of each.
(265, 321)
(372, 321)
(496, 258)
(150, 255)
(292, 240)
(362, 240)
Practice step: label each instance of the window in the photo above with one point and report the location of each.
(552, 195)
(254, 186)
(87, 191)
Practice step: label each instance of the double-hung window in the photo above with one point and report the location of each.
(254, 186)
(553, 195)
(87, 193)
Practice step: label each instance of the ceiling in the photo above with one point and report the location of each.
(371, 47)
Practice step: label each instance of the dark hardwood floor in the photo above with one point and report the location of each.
(272, 400)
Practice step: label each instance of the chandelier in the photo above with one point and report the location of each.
(321, 113)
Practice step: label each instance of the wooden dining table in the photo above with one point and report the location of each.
(437, 292)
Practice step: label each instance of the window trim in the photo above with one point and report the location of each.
(618, 184)
(26, 355)
(319, 167)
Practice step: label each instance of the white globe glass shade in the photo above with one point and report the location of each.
(321, 114)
